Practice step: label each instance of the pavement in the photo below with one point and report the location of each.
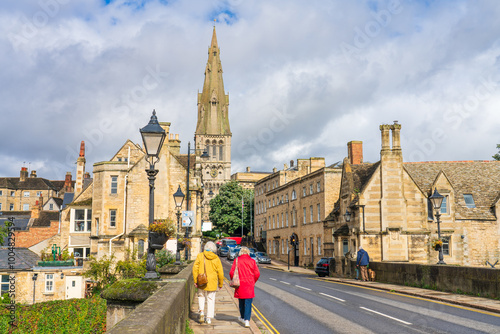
(227, 311)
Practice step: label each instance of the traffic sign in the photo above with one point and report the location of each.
(187, 218)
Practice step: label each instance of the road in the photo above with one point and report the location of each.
(298, 303)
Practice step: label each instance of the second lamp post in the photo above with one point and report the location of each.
(437, 200)
(178, 198)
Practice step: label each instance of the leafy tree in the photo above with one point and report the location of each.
(225, 208)
(497, 156)
(3, 234)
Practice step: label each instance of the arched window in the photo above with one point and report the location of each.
(294, 195)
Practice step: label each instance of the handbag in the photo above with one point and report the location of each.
(235, 282)
(202, 278)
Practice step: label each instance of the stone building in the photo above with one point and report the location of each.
(295, 201)
(385, 208)
(23, 192)
(213, 133)
(248, 179)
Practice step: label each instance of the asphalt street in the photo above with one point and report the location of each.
(300, 303)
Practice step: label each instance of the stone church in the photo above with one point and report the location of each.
(110, 214)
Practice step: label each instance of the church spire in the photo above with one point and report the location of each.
(212, 101)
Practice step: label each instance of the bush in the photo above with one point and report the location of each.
(164, 257)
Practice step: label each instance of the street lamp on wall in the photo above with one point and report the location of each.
(178, 198)
(347, 216)
(153, 136)
(436, 200)
(34, 277)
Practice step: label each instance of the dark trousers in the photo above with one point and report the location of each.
(246, 308)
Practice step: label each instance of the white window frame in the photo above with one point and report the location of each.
(26, 207)
(86, 221)
(318, 206)
(4, 284)
(294, 217)
(11, 207)
(38, 193)
(444, 205)
(85, 252)
(286, 217)
(12, 194)
(319, 245)
(311, 213)
(49, 283)
(305, 246)
(318, 186)
(471, 203)
(311, 191)
(304, 192)
(446, 241)
(304, 215)
(294, 195)
(282, 220)
(26, 194)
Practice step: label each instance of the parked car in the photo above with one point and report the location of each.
(233, 253)
(323, 266)
(252, 250)
(228, 242)
(254, 257)
(262, 257)
(223, 251)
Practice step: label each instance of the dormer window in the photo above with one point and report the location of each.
(469, 201)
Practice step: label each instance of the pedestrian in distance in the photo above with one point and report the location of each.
(362, 262)
(209, 263)
(249, 273)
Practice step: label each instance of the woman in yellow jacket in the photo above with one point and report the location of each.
(215, 275)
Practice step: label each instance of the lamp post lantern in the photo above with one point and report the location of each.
(347, 216)
(437, 200)
(153, 136)
(178, 198)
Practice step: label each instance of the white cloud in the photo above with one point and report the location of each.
(71, 67)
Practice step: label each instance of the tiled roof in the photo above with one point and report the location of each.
(45, 218)
(24, 259)
(362, 173)
(31, 183)
(479, 178)
(183, 158)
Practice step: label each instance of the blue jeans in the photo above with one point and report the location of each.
(246, 308)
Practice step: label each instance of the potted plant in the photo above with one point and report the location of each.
(161, 231)
(184, 243)
(437, 244)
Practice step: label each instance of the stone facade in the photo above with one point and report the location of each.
(391, 216)
(295, 201)
(248, 179)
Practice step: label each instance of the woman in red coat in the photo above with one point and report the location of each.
(249, 274)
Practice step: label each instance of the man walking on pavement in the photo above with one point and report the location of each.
(362, 262)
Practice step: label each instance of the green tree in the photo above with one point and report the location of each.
(497, 156)
(3, 234)
(225, 208)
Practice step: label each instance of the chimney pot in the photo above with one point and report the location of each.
(248, 169)
(274, 170)
(355, 152)
(33, 173)
(291, 163)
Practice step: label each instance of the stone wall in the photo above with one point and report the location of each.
(166, 311)
(484, 282)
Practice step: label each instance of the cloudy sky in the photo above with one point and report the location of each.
(303, 77)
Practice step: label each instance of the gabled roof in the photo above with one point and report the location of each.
(31, 183)
(481, 179)
(362, 173)
(68, 198)
(45, 218)
(24, 259)
(183, 159)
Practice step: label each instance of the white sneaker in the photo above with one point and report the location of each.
(247, 323)
(209, 321)
(241, 320)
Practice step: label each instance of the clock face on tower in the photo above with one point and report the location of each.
(213, 172)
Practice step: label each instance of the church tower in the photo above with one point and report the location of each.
(212, 130)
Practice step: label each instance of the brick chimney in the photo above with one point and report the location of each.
(355, 152)
(33, 173)
(35, 210)
(80, 169)
(86, 175)
(68, 183)
(24, 174)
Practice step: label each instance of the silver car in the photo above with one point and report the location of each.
(263, 258)
(233, 253)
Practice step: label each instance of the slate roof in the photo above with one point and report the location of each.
(362, 173)
(24, 259)
(68, 198)
(183, 158)
(45, 218)
(31, 183)
(479, 178)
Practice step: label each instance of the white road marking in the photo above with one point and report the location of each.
(274, 279)
(285, 282)
(324, 294)
(385, 315)
(298, 286)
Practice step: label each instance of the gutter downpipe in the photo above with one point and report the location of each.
(124, 204)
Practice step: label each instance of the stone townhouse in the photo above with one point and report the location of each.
(385, 208)
(295, 201)
(23, 192)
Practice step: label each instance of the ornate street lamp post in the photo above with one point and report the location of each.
(178, 198)
(437, 200)
(153, 136)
